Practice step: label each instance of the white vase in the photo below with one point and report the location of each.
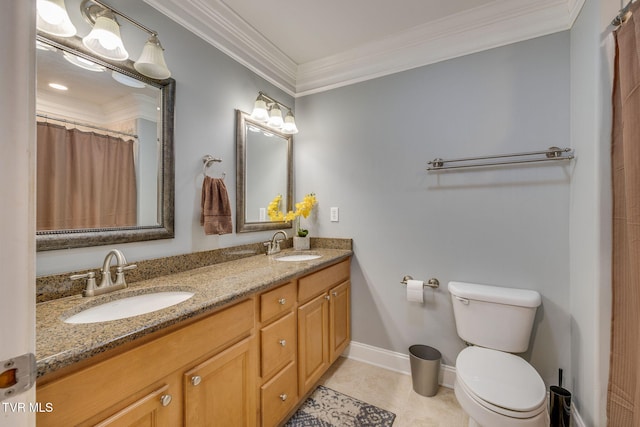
(301, 243)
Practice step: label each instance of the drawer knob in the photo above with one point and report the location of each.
(165, 399)
(196, 379)
(335, 294)
(283, 397)
(327, 297)
(283, 342)
(282, 301)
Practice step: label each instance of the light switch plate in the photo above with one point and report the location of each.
(335, 214)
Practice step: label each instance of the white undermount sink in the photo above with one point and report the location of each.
(129, 307)
(298, 257)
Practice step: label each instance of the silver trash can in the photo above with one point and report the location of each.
(425, 367)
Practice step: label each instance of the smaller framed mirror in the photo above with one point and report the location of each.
(264, 170)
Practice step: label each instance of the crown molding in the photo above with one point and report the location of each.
(221, 27)
(495, 24)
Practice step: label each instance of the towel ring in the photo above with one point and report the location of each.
(207, 161)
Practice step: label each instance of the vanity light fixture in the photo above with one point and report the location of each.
(151, 62)
(104, 39)
(52, 18)
(107, 40)
(269, 111)
(275, 117)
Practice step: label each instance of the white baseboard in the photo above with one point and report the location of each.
(393, 361)
(399, 362)
(575, 417)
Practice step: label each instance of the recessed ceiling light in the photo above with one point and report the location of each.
(58, 86)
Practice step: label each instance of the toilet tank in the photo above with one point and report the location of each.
(494, 317)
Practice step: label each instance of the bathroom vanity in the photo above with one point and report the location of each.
(245, 350)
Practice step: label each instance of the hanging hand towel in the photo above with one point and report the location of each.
(216, 210)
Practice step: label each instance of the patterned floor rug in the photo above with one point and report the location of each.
(328, 408)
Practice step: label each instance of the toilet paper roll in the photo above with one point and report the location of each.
(415, 290)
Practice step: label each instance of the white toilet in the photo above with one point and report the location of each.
(494, 387)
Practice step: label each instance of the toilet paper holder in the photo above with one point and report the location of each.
(432, 283)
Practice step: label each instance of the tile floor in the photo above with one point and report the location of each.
(394, 392)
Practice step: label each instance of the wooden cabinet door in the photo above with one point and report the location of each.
(339, 316)
(313, 341)
(222, 390)
(149, 411)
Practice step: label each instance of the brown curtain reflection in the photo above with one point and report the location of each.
(623, 403)
(84, 180)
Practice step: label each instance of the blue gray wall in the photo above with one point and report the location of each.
(364, 148)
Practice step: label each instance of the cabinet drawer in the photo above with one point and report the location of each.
(319, 282)
(279, 396)
(278, 344)
(277, 301)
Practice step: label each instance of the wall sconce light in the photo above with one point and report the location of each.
(52, 18)
(267, 110)
(104, 39)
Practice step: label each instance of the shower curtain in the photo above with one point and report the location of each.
(623, 402)
(84, 180)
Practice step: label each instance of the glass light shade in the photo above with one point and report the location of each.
(289, 127)
(82, 63)
(126, 80)
(52, 18)
(275, 117)
(151, 62)
(104, 40)
(260, 112)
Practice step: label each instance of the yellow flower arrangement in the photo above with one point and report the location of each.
(303, 209)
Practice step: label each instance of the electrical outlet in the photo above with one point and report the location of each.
(335, 215)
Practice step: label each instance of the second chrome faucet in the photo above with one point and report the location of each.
(273, 245)
(106, 284)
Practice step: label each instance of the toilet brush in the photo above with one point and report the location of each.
(560, 404)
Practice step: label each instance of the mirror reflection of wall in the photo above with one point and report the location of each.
(100, 106)
(266, 171)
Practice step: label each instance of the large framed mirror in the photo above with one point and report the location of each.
(105, 159)
(264, 170)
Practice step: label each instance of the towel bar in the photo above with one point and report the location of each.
(551, 154)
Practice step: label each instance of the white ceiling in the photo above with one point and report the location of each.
(305, 46)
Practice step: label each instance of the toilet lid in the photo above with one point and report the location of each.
(502, 379)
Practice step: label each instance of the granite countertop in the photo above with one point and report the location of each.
(60, 344)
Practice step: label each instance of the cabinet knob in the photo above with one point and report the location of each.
(196, 379)
(165, 399)
(283, 342)
(327, 297)
(335, 294)
(282, 301)
(283, 397)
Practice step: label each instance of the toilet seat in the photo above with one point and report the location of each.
(501, 382)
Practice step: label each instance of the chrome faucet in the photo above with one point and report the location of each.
(106, 284)
(273, 246)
